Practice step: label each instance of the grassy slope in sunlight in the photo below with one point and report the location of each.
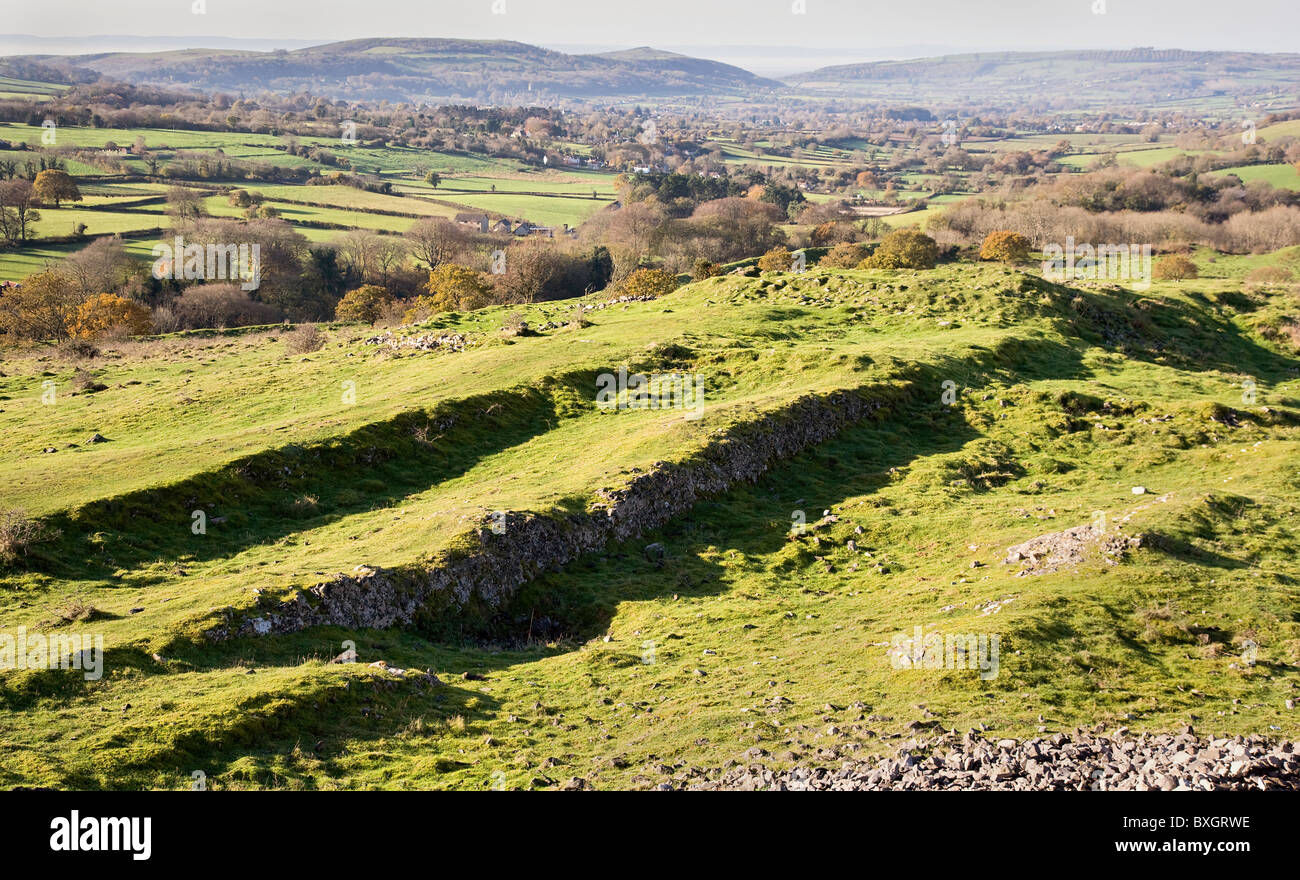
(741, 635)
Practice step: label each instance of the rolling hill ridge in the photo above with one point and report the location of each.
(426, 70)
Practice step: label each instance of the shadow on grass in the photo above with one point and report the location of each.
(271, 494)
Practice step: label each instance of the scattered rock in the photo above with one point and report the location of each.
(454, 342)
(1057, 550)
(1082, 762)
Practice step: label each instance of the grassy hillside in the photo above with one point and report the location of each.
(718, 631)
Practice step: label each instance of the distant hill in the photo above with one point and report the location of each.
(508, 72)
(1076, 79)
(426, 70)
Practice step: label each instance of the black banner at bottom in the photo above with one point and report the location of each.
(137, 831)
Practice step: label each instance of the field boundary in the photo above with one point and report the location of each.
(467, 585)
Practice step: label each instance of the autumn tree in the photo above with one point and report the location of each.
(43, 307)
(652, 283)
(242, 198)
(904, 249)
(845, 255)
(53, 185)
(1174, 267)
(452, 288)
(778, 259)
(833, 232)
(704, 269)
(364, 305)
(106, 314)
(1005, 246)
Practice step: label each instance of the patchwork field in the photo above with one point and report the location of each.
(997, 408)
(543, 196)
(1280, 176)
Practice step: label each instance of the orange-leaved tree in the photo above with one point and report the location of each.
(52, 185)
(1005, 246)
(106, 313)
(43, 307)
(364, 305)
(652, 283)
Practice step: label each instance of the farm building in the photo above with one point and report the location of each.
(479, 221)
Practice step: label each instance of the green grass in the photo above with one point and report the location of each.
(155, 138)
(913, 218)
(454, 187)
(1068, 397)
(296, 213)
(352, 199)
(13, 88)
(540, 210)
(64, 220)
(1290, 128)
(1279, 176)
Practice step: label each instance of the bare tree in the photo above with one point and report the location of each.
(185, 205)
(437, 240)
(628, 233)
(530, 266)
(374, 257)
(17, 209)
(102, 266)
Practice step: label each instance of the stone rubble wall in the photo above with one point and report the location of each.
(497, 565)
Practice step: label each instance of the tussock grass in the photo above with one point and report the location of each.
(19, 533)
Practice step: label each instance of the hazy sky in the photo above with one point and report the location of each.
(1257, 25)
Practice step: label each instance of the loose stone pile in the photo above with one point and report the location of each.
(423, 342)
(594, 307)
(1078, 762)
